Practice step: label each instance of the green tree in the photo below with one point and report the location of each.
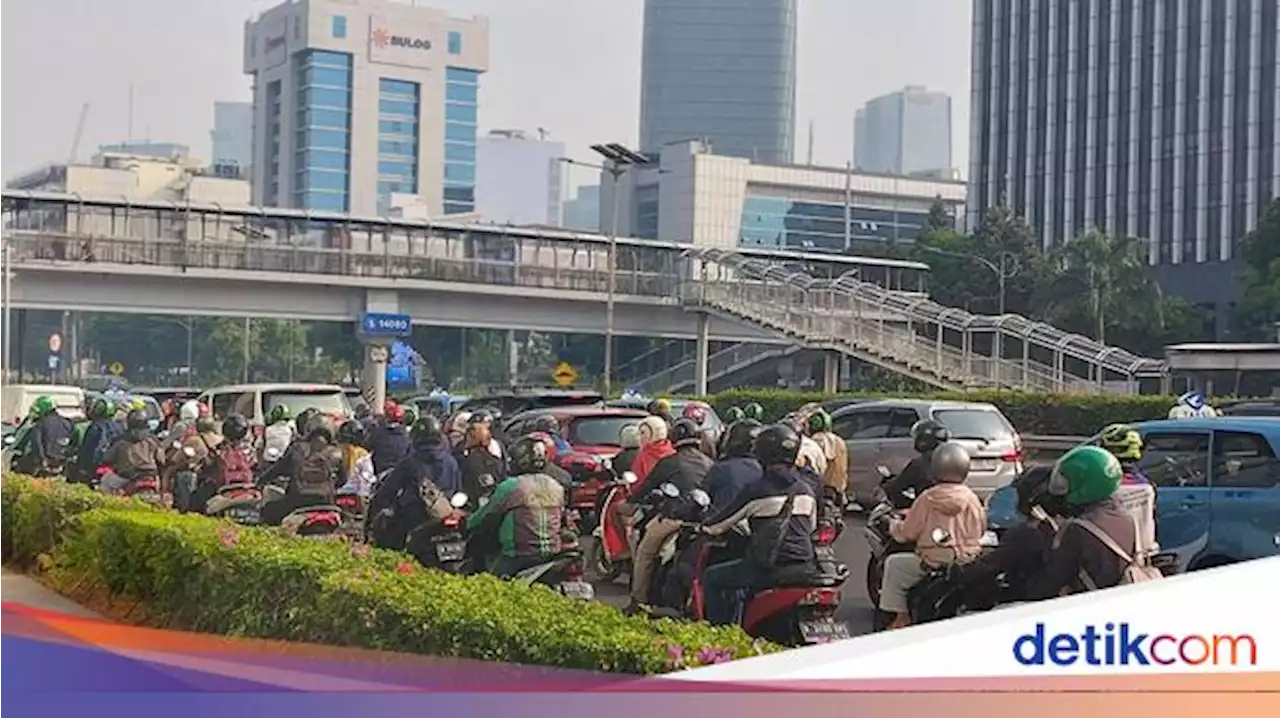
(939, 216)
(1259, 308)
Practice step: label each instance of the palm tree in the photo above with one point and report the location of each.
(1105, 278)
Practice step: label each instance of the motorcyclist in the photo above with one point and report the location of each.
(753, 411)
(686, 469)
(926, 436)
(398, 503)
(357, 462)
(737, 467)
(661, 408)
(1125, 443)
(949, 505)
(1192, 405)
(836, 476)
(812, 457)
(233, 461)
(97, 438)
(314, 467)
(476, 459)
(525, 512)
(654, 446)
(190, 463)
(46, 446)
(548, 424)
(554, 469)
(629, 440)
(700, 413)
(456, 428)
(389, 441)
(1087, 477)
(138, 454)
(278, 434)
(187, 415)
(781, 510)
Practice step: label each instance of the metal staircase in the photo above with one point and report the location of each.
(941, 346)
(670, 368)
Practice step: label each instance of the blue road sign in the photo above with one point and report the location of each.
(386, 325)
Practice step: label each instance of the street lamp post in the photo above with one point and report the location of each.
(1003, 270)
(620, 160)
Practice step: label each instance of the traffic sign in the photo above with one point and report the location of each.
(386, 325)
(55, 343)
(564, 374)
(116, 368)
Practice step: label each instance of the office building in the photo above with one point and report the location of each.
(583, 211)
(904, 133)
(1150, 118)
(232, 138)
(157, 172)
(722, 71)
(357, 102)
(690, 195)
(518, 179)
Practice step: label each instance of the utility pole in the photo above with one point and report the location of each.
(246, 349)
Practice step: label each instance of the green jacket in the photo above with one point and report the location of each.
(528, 511)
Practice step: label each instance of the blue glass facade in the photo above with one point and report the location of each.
(399, 104)
(323, 147)
(778, 222)
(461, 96)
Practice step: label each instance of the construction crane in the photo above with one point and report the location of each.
(75, 139)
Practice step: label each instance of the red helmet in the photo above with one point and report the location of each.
(393, 411)
(549, 442)
(697, 411)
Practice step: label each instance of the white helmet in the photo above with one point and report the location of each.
(629, 436)
(652, 429)
(190, 411)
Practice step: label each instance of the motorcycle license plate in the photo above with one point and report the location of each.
(451, 550)
(578, 589)
(244, 516)
(823, 630)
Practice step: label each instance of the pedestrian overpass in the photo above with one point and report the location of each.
(72, 253)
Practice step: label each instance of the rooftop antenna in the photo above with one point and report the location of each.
(809, 161)
(543, 134)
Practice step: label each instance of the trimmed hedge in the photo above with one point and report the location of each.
(1042, 414)
(208, 575)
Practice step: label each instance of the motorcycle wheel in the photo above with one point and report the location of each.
(875, 574)
(598, 566)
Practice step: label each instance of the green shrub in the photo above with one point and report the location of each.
(1043, 414)
(202, 574)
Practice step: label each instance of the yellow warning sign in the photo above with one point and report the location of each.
(116, 368)
(564, 374)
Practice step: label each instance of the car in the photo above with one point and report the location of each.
(1253, 407)
(440, 406)
(178, 395)
(16, 401)
(878, 433)
(255, 401)
(355, 397)
(1217, 484)
(511, 401)
(713, 422)
(588, 429)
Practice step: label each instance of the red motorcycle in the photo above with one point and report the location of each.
(145, 489)
(592, 476)
(609, 555)
(309, 521)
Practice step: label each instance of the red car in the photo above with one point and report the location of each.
(593, 432)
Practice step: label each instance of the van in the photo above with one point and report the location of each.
(255, 401)
(16, 401)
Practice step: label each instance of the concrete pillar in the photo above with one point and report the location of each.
(831, 372)
(702, 354)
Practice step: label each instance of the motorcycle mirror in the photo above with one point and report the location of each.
(629, 477)
(701, 498)
(8, 440)
(940, 537)
(669, 490)
(458, 501)
(884, 472)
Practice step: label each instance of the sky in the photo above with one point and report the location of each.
(571, 67)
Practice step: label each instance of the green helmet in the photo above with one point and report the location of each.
(102, 408)
(734, 415)
(410, 416)
(753, 411)
(819, 421)
(1086, 475)
(279, 413)
(42, 406)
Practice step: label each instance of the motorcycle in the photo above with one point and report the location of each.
(943, 592)
(609, 555)
(591, 477)
(443, 544)
(241, 503)
(313, 521)
(146, 489)
(879, 541)
(563, 572)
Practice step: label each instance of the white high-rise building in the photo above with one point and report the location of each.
(904, 133)
(359, 100)
(518, 179)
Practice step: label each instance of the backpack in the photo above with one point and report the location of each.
(140, 454)
(228, 465)
(1137, 570)
(319, 469)
(766, 540)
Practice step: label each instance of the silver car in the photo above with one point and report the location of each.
(878, 434)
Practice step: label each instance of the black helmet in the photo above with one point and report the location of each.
(235, 427)
(353, 432)
(302, 419)
(928, 434)
(427, 430)
(528, 456)
(777, 444)
(363, 411)
(685, 432)
(740, 437)
(546, 423)
(137, 420)
(319, 426)
(1032, 487)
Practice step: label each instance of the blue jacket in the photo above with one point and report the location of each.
(728, 477)
(388, 443)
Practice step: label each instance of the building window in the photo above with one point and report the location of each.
(398, 131)
(339, 29)
(820, 227)
(455, 42)
(461, 92)
(322, 147)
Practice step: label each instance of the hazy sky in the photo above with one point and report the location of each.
(569, 66)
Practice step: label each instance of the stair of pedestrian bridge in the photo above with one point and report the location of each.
(672, 367)
(911, 335)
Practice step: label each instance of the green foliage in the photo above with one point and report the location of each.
(1259, 308)
(207, 575)
(1040, 414)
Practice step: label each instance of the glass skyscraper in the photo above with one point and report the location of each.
(903, 133)
(462, 88)
(323, 146)
(723, 71)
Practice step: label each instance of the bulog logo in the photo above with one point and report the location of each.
(383, 39)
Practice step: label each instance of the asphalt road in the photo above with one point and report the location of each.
(851, 548)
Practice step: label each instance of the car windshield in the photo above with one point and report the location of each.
(599, 430)
(327, 401)
(978, 424)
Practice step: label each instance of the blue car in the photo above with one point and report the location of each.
(1217, 490)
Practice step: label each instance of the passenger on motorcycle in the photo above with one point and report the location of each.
(187, 415)
(46, 446)
(97, 438)
(456, 428)
(1101, 545)
(737, 467)
(629, 440)
(476, 458)
(781, 510)
(833, 449)
(525, 513)
(138, 454)
(654, 446)
(1125, 443)
(398, 503)
(279, 432)
(189, 463)
(357, 462)
(733, 415)
(686, 469)
(313, 466)
(554, 469)
(661, 408)
(926, 436)
(389, 440)
(949, 505)
(1192, 405)
(548, 425)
